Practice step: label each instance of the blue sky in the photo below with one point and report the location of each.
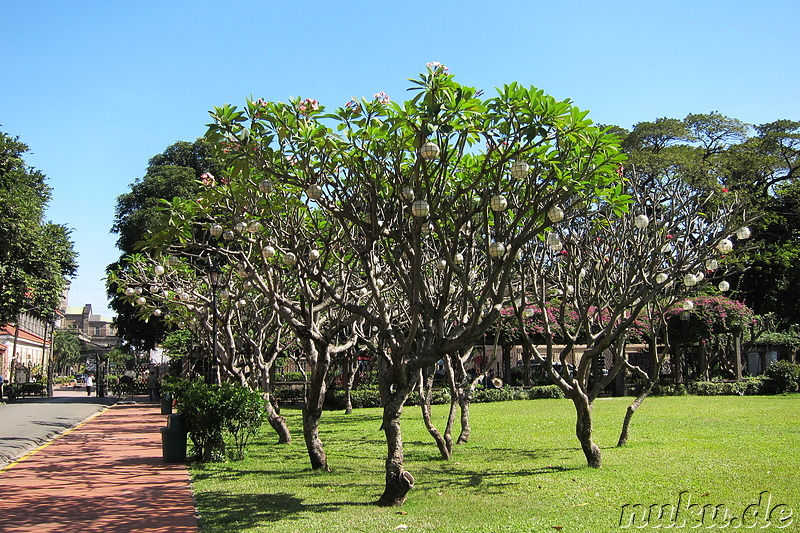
(96, 88)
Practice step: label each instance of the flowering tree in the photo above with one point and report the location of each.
(424, 205)
(605, 268)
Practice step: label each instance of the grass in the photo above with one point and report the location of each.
(521, 471)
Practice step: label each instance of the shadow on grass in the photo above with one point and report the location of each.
(235, 512)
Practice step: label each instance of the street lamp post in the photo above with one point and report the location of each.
(213, 276)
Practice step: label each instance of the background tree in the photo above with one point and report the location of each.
(36, 256)
(66, 350)
(175, 173)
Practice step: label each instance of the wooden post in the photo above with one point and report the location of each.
(737, 354)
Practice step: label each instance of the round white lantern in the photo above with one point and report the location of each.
(215, 230)
(138, 290)
(527, 312)
(724, 246)
(458, 259)
(267, 252)
(743, 233)
(712, 264)
(379, 283)
(313, 255)
(266, 186)
(228, 235)
(289, 259)
(690, 280)
(364, 291)
(641, 221)
(156, 312)
(129, 291)
(441, 265)
(700, 277)
(224, 294)
(499, 202)
(497, 249)
(687, 305)
(661, 278)
(520, 169)
(429, 151)
(159, 270)
(407, 193)
(724, 286)
(420, 208)
(556, 214)
(667, 248)
(553, 239)
(314, 191)
(141, 300)
(241, 226)
(173, 261)
(254, 227)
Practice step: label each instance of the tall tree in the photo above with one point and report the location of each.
(36, 256)
(175, 173)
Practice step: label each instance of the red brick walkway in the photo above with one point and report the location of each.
(107, 475)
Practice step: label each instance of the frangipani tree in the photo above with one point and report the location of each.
(432, 198)
(606, 268)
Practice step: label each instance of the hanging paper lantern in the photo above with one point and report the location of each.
(407, 193)
(289, 259)
(553, 239)
(498, 202)
(141, 300)
(224, 294)
(520, 169)
(314, 191)
(254, 227)
(228, 235)
(724, 246)
(156, 312)
(173, 261)
(724, 286)
(130, 291)
(441, 265)
(641, 221)
(266, 186)
(215, 230)
(687, 305)
(743, 233)
(458, 259)
(420, 208)
(159, 270)
(267, 252)
(497, 249)
(690, 280)
(429, 151)
(241, 226)
(700, 277)
(138, 290)
(556, 214)
(661, 278)
(313, 255)
(379, 283)
(712, 264)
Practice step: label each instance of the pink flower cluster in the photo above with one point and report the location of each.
(353, 105)
(308, 105)
(208, 179)
(437, 67)
(382, 97)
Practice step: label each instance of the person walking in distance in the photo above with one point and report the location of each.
(89, 384)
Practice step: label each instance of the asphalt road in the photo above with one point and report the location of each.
(31, 422)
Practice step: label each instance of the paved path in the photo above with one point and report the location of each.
(106, 475)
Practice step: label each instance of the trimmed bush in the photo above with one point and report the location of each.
(783, 377)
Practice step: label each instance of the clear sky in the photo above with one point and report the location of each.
(96, 88)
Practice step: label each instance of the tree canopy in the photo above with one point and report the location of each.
(36, 256)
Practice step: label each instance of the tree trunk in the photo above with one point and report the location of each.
(351, 368)
(625, 433)
(443, 442)
(463, 403)
(278, 423)
(398, 480)
(583, 429)
(312, 411)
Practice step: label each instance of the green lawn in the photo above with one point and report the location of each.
(522, 470)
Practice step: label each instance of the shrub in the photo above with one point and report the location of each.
(783, 377)
(545, 392)
(290, 376)
(212, 412)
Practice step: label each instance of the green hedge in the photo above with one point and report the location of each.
(750, 387)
